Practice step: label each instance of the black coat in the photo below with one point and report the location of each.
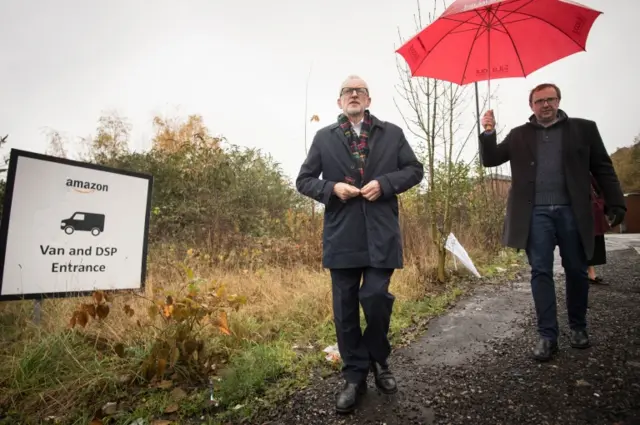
(583, 152)
(358, 233)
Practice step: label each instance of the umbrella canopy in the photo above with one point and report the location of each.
(479, 40)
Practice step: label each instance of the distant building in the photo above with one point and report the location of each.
(631, 223)
(498, 184)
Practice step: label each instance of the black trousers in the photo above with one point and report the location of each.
(358, 348)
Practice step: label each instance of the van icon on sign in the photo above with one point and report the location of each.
(85, 222)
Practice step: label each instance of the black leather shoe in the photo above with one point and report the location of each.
(579, 339)
(349, 396)
(384, 379)
(545, 349)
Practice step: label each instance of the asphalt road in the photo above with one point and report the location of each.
(472, 366)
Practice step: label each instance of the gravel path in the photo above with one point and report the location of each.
(473, 367)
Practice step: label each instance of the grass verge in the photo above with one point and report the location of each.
(259, 354)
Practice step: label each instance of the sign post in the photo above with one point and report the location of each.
(70, 228)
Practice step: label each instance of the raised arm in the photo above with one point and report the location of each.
(493, 154)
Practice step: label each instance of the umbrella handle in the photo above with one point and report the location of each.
(489, 127)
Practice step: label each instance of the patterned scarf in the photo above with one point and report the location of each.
(359, 146)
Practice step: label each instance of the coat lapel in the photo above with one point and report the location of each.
(343, 139)
(532, 143)
(566, 140)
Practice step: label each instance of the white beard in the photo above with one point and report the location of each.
(354, 110)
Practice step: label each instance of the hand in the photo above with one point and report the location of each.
(345, 191)
(488, 120)
(371, 191)
(615, 216)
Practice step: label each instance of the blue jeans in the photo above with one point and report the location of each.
(551, 225)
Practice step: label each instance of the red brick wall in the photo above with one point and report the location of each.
(632, 218)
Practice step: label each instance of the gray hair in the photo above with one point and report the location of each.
(353, 77)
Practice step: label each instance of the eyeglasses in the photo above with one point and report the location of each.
(360, 91)
(549, 100)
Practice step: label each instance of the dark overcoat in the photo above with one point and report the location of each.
(583, 152)
(359, 233)
(600, 225)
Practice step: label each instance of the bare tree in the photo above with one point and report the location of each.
(3, 141)
(57, 144)
(111, 139)
(432, 113)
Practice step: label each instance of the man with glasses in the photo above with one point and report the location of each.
(365, 163)
(549, 204)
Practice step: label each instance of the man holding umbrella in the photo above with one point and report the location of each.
(551, 158)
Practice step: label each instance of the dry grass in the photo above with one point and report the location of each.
(50, 370)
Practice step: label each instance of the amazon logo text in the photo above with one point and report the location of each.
(86, 187)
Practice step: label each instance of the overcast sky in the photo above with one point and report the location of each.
(243, 66)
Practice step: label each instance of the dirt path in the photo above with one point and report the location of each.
(473, 364)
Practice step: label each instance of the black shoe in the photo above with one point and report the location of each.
(545, 349)
(349, 396)
(384, 379)
(579, 339)
(597, 281)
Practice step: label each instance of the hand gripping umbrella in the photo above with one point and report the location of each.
(477, 40)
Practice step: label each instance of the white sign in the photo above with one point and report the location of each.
(69, 228)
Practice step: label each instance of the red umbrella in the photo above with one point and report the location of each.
(480, 40)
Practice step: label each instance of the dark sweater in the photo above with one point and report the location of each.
(551, 188)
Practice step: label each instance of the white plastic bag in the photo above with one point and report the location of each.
(458, 251)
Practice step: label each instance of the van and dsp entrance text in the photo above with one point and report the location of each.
(80, 252)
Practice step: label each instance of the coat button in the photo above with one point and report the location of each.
(352, 166)
(532, 163)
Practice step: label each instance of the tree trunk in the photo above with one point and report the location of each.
(442, 258)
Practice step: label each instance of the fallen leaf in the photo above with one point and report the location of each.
(110, 408)
(90, 309)
(161, 422)
(165, 385)
(167, 310)
(82, 318)
(177, 394)
(98, 296)
(95, 422)
(119, 349)
(102, 311)
(172, 408)
(223, 323)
